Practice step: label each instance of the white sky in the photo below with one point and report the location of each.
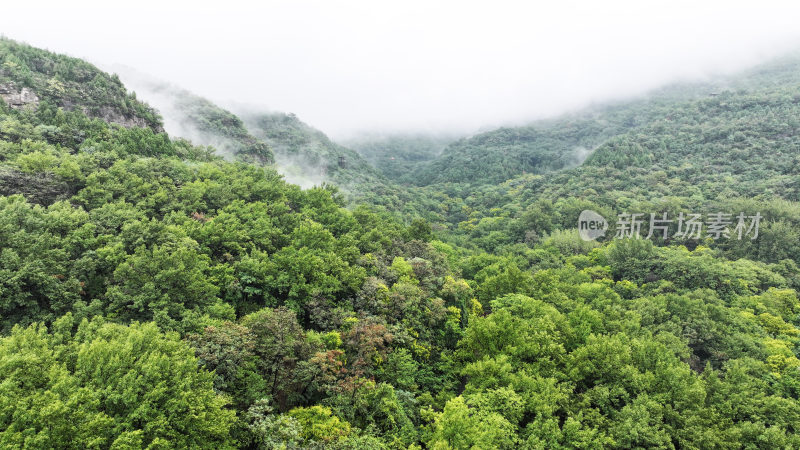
(412, 65)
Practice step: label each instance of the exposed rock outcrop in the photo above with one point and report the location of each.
(18, 98)
(111, 115)
(41, 188)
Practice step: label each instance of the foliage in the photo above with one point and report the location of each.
(70, 82)
(106, 385)
(155, 295)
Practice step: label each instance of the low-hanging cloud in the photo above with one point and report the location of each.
(170, 101)
(459, 66)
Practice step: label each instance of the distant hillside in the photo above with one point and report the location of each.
(306, 155)
(29, 76)
(303, 154)
(730, 145)
(498, 155)
(561, 143)
(547, 145)
(400, 156)
(195, 118)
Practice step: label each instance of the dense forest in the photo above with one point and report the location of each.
(160, 292)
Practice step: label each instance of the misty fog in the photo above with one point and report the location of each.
(349, 67)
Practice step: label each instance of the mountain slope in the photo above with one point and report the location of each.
(305, 153)
(731, 152)
(550, 145)
(156, 295)
(498, 155)
(195, 118)
(544, 146)
(29, 75)
(400, 156)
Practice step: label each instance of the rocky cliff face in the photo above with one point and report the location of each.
(111, 115)
(18, 97)
(40, 188)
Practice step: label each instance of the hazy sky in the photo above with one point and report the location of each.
(366, 65)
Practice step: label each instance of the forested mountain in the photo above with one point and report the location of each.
(156, 295)
(29, 75)
(544, 146)
(550, 145)
(496, 156)
(301, 153)
(199, 120)
(733, 150)
(400, 156)
(304, 151)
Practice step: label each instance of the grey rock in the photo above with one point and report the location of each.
(40, 188)
(18, 98)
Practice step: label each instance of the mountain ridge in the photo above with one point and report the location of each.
(29, 75)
